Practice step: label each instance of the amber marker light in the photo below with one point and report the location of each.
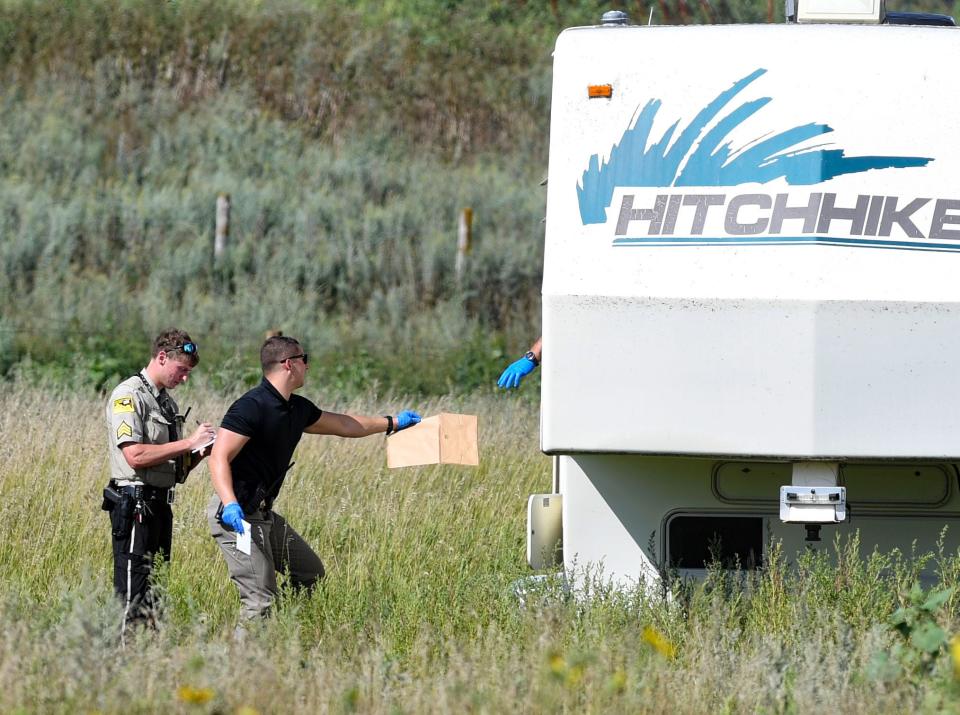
(597, 91)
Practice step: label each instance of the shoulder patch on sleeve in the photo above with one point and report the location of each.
(124, 430)
(122, 404)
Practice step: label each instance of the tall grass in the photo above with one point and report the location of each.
(419, 611)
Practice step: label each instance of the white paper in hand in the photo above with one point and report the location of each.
(243, 540)
(205, 444)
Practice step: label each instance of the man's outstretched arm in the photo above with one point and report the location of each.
(341, 425)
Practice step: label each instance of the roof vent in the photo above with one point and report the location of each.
(614, 18)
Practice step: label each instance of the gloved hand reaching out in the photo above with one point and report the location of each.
(232, 517)
(407, 418)
(515, 372)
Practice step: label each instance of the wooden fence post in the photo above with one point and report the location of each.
(464, 241)
(222, 232)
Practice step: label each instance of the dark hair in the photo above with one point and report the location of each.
(173, 340)
(276, 349)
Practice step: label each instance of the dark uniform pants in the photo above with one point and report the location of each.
(150, 535)
(275, 546)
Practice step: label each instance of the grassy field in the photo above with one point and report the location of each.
(349, 138)
(419, 612)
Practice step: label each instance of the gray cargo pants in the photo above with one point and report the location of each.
(275, 546)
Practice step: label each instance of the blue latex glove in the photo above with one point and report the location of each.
(233, 517)
(515, 372)
(407, 418)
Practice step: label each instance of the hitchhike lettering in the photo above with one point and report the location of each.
(816, 217)
(702, 158)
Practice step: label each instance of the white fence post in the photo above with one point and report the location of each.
(222, 232)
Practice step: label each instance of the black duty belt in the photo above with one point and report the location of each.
(148, 493)
(263, 505)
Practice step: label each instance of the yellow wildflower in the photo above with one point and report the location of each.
(618, 681)
(659, 642)
(558, 665)
(196, 696)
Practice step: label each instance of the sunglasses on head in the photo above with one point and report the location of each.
(187, 348)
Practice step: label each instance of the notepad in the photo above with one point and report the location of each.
(205, 444)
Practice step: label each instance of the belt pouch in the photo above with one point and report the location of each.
(124, 515)
(111, 497)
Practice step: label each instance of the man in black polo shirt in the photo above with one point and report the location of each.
(249, 461)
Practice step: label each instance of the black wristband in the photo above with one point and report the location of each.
(389, 424)
(531, 357)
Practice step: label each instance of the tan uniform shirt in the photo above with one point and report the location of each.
(138, 411)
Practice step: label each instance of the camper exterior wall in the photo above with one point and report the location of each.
(752, 248)
(616, 505)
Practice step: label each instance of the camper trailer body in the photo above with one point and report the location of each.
(751, 269)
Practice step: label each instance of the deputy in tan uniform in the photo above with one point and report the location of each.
(148, 458)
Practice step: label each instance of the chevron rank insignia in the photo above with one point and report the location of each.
(122, 404)
(124, 430)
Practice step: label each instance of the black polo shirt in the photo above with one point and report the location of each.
(274, 426)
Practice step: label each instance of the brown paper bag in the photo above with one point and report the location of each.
(442, 439)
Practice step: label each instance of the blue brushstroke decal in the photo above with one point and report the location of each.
(709, 162)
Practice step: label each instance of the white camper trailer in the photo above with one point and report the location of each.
(751, 294)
